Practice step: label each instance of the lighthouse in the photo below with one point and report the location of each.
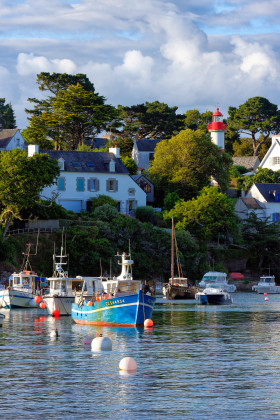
(217, 129)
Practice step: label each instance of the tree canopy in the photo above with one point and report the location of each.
(152, 120)
(185, 164)
(206, 216)
(257, 118)
(7, 117)
(22, 179)
(196, 120)
(73, 113)
(262, 176)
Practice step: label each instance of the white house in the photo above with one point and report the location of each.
(143, 152)
(263, 199)
(85, 175)
(11, 139)
(271, 159)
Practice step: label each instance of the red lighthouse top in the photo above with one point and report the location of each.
(217, 122)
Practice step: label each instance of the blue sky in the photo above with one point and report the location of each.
(188, 53)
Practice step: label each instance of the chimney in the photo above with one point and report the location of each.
(115, 150)
(32, 149)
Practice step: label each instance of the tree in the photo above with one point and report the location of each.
(73, 114)
(185, 164)
(130, 165)
(263, 176)
(195, 120)
(257, 118)
(210, 214)
(7, 117)
(152, 120)
(22, 179)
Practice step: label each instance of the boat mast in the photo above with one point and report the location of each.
(172, 250)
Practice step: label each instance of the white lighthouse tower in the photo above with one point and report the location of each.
(217, 129)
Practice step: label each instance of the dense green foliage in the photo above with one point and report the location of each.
(207, 216)
(257, 118)
(262, 176)
(101, 200)
(185, 164)
(22, 179)
(71, 115)
(130, 165)
(7, 116)
(144, 213)
(195, 120)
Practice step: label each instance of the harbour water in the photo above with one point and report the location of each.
(198, 362)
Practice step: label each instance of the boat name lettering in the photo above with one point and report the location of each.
(114, 302)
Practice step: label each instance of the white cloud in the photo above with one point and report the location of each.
(28, 64)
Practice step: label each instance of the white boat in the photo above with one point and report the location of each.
(61, 292)
(217, 277)
(213, 294)
(2, 317)
(22, 290)
(266, 285)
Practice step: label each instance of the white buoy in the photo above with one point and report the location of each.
(128, 364)
(266, 298)
(54, 334)
(101, 343)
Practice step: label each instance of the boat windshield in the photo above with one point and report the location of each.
(267, 280)
(213, 286)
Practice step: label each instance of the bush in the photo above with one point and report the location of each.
(105, 213)
(101, 200)
(144, 213)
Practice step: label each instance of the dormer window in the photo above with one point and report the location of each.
(61, 164)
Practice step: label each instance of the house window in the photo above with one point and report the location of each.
(93, 184)
(131, 191)
(112, 185)
(61, 164)
(77, 164)
(145, 186)
(80, 184)
(276, 160)
(151, 156)
(276, 217)
(61, 184)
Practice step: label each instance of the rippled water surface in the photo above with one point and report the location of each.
(198, 362)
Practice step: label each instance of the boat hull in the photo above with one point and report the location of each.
(274, 290)
(129, 311)
(10, 299)
(179, 292)
(214, 299)
(62, 304)
(2, 317)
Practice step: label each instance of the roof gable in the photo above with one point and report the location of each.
(269, 191)
(249, 162)
(6, 136)
(146, 145)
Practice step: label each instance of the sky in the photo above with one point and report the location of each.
(193, 54)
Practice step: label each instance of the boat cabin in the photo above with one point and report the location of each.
(28, 281)
(60, 285)
(268, 280)
(179, 281)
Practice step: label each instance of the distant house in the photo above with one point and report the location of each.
(263, 199)
(11, 139)
(271, 159)
(97, 142)
(143, 152)
(146, 186)
(85, 175)
(249, 162)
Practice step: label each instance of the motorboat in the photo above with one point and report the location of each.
(217, 277)
(123, 301)
(213, 294)
(2, 317)
(178, 287)
(23, 286)
(266, 285)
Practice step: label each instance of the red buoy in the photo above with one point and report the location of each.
(265, 294)
(90, 303)
(56, 313)
(37, 299)
(43, 305)
(148, 323)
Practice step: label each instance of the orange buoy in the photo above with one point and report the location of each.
(98, 298)
(43, 305)
(56, 313)
(37, 299)
(90, 303)
(148, 323)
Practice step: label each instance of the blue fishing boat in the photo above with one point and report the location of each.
(123, 302)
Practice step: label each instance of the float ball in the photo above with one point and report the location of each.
(89, 303)
(128, 364)
(148, 323)
(266, 298)
(265, 294)
(37, 299)
(101, 343)
(43, 305)
(56, 313)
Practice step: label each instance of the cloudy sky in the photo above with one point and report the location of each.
(188, 53)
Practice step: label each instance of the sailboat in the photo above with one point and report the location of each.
(178, 287)
(24, 286)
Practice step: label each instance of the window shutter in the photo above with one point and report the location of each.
(127, 207)
(107, 185)
(97, 185)
(88, 185)
(116, 185)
